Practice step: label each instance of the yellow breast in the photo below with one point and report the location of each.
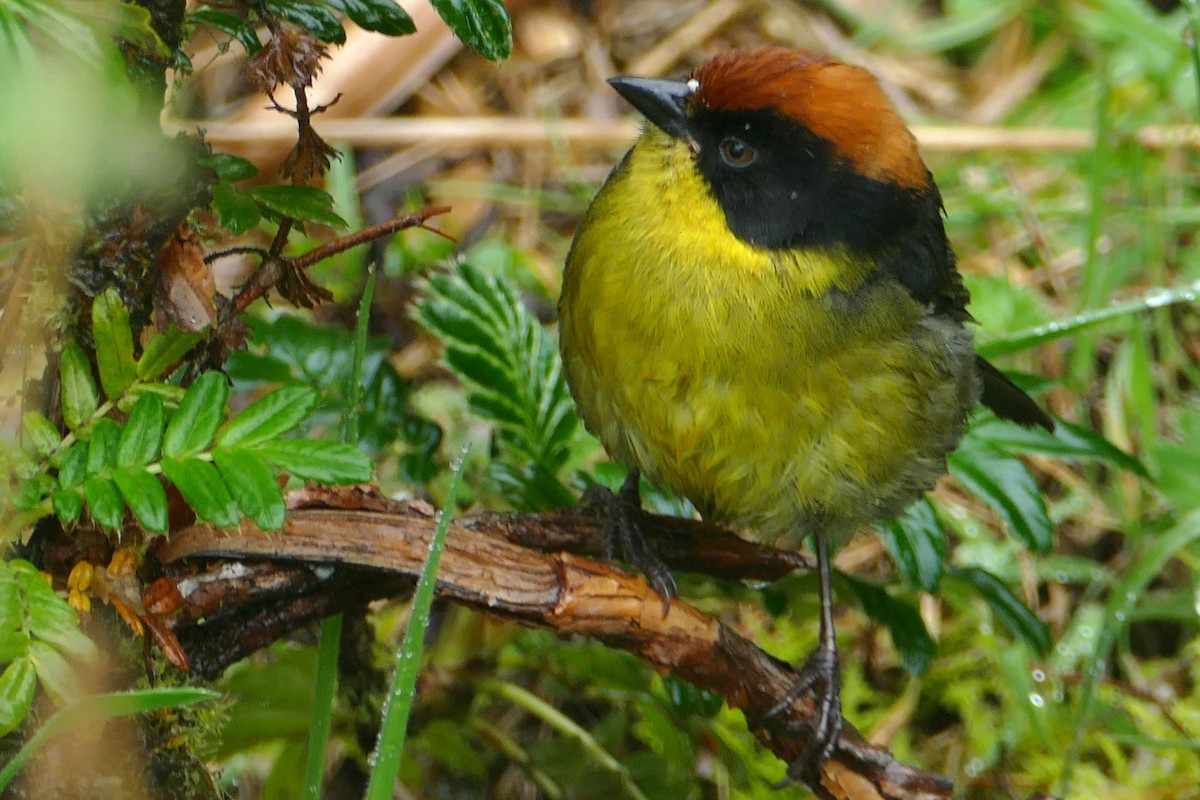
(769, 387)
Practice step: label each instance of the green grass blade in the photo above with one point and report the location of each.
(408, 660)
(1032, 337)
(1125, 594)
(96, 709)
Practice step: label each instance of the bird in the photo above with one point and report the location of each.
(761, 312)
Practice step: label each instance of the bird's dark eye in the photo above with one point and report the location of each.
(737, 153)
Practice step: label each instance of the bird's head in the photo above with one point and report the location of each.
(797, 149)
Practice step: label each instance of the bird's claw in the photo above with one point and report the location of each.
(624, 537)
(819, 677)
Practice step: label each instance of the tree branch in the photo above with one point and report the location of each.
(377, 547)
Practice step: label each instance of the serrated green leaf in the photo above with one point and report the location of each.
(915, 542)
(41, 433)
(1011, 612)
(230, 167)
(143, 432)
(269, 416)
(1005, 484)
(237, 212)
(253, 485)
(513, 373)
(909, 635)
(102, 449)
(78, 393)
(18, 685)
(201, 486)
(315, 460)
(300, 202)
(318, 20)
(381, 16)
(200, 412)
(67, 505)
(483, 25)
(55, 675)
(164, 350)
(145, 497)
(236, 28)
(114, 343)
(72, 464)
(104, 502)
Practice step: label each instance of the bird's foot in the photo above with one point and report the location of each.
(820, 678)
(625, 538)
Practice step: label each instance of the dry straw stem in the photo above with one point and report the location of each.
(484, 568)
(458, 132)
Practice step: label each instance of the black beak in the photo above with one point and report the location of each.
(661, 101)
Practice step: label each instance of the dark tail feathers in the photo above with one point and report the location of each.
(1008, 400)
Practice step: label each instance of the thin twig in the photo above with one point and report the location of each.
(341, 244)
(453, 132)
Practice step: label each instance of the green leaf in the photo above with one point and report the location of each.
(318, 20)
(230, 167)
(483, 25)
(1069, 441)
(104, 502)
(269, 416)
(67, 505)
(513, 373)
(145, 497)
(237, 211)
(164, 350)
(909, 635)
(72, 464)
(315, 460)
(234, 27)
(102, 449)
(171, 395)
(1005, 484)
(42, 434)
(916, 544)
(55, 675)
(14, 644)
(78, 394)
(143, 432)
(32, 491)
(201, 486)
(253, 486)
(114, 343)
(301, 202)
(17, 688)
(1011, 612)
(50, 619)
(199, 415)
(381, 16)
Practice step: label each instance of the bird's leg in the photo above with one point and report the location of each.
(624, 536)
(820, 675)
